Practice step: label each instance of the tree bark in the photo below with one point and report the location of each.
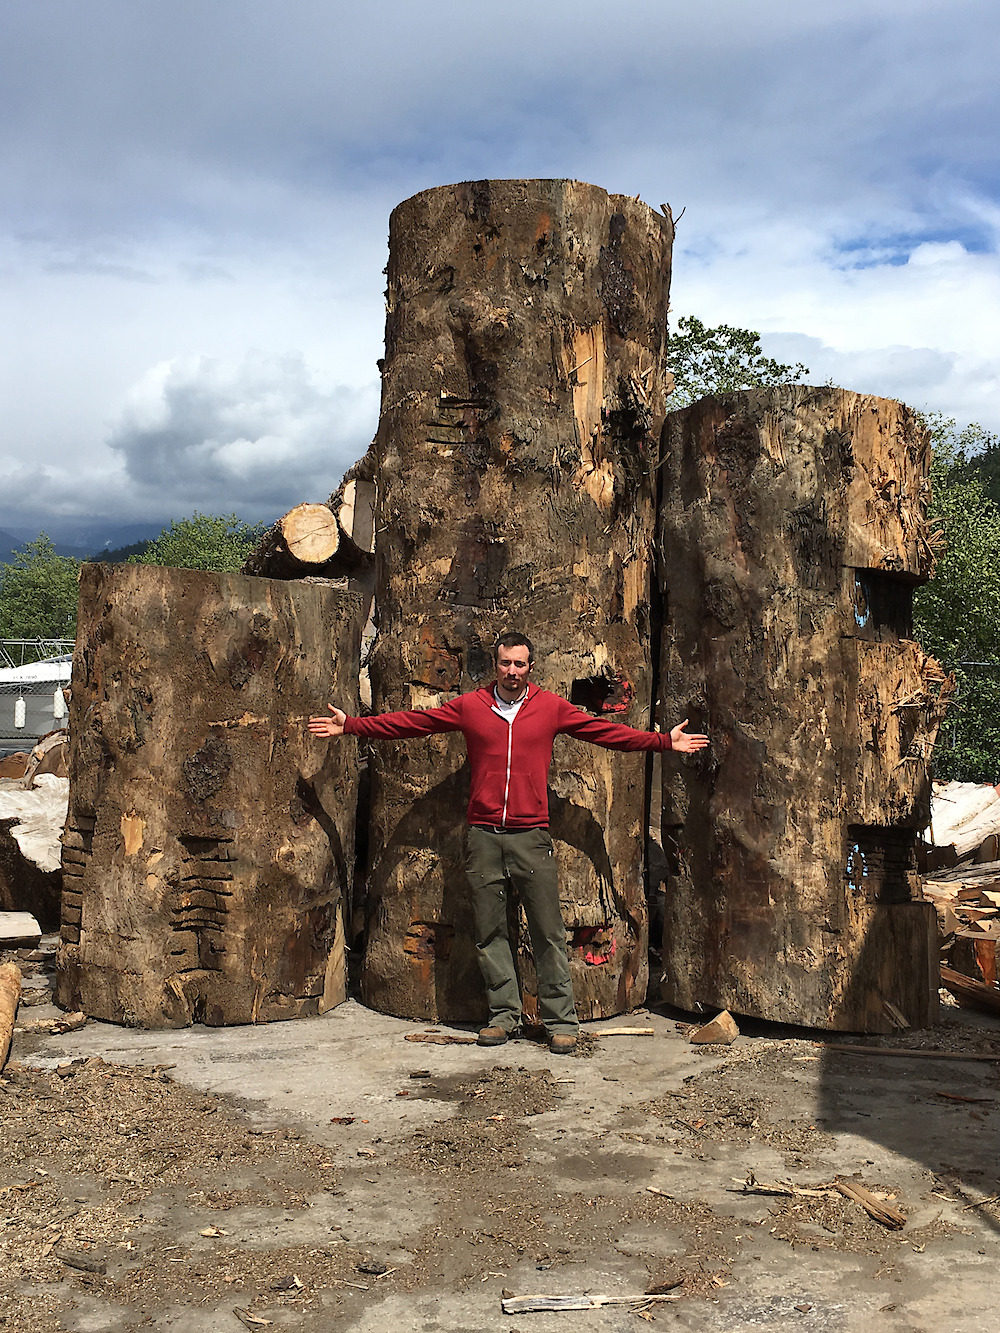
(523, 391)
(792, 532)
(209, 841)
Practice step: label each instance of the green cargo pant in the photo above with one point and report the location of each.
(499, 864)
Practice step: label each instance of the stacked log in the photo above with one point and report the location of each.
(792, 533)
(523, 391)
(209, 840)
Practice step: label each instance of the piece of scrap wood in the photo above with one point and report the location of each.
(440, 1039)
(783, 1188)
(533, 1304)
(10, 995)
(622, 1032)
(974, 994)
(722, 1031)
(19, 929)
(881, 1212)
(957, 1097)
(249, 1320)
(994, 1198)
(893, 1050)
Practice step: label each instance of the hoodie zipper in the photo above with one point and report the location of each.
(510, 741)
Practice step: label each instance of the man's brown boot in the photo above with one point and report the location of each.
(492, 1036)
(562, 1043)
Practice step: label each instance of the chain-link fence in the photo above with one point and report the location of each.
(32, 698)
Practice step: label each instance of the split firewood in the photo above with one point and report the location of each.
(722, 1031)
(10, 994)
(883, 1213)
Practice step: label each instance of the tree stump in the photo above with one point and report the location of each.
(791, 535)
(210, 838)
(523, 391)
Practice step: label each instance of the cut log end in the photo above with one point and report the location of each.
(311, 533)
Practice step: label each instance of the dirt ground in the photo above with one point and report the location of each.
(328, 1174)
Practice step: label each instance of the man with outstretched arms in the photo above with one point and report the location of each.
(509, 728)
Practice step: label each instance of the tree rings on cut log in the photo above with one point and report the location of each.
(311, 534)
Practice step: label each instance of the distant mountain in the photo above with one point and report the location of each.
(82, 540)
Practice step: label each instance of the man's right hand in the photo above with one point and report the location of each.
(328, 726)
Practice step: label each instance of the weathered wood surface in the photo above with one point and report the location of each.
(32, 813)
(10, 997)
(792, 531)
(523, 391)
(210, 839)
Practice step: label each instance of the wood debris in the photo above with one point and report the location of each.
(440, 1039)
(722, 1031)
(882, 1212)
(533, 1304)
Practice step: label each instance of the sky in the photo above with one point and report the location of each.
(194, 202)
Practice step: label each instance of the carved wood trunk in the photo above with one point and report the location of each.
(523, 393)
(791, 535)
(210, 839)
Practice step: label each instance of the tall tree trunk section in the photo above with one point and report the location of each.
(791, 535)
(523, 394)
(209, 841)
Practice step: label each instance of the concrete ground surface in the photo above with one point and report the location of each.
(328, 1174)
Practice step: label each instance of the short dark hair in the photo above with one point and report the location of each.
(514, 640)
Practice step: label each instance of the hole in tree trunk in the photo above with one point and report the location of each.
(602, 694)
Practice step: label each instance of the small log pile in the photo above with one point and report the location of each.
(968, 907)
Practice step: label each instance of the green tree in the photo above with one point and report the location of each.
(716, 360)
(956, 615)
(38, 593)
(204, 541)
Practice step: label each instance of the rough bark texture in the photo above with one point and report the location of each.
(210, 839)
(523, 393)
(791, 533)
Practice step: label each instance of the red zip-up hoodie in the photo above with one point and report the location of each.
(509, 760)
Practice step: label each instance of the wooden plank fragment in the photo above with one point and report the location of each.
(536, 1304)
(969, 993)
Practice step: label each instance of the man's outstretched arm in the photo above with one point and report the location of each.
(390, 726)
(616, 736)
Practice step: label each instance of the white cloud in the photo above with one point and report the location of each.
(181, 183)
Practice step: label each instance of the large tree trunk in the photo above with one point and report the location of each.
(523, 393)
(791, 535)
(210, 838)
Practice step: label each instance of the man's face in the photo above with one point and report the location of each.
(513, 669)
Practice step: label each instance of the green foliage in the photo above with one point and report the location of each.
(716, 360)
(204, 541)
(38, 593)
(957, 615)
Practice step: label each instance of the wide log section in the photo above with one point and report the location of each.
(523, 392)
(792, 533)
(210, 838)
